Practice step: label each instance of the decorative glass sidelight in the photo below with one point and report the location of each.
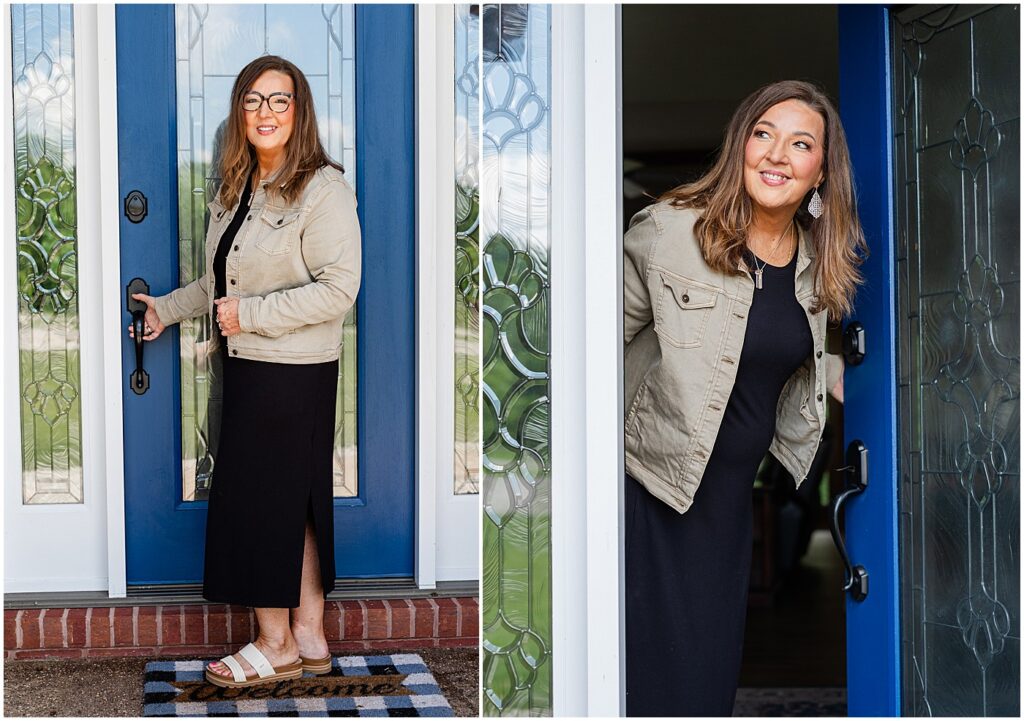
(467, 249)
(515, 223)
(212, 44)
(42, 43)
(956, 93)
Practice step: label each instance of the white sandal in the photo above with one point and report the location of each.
(265, 673)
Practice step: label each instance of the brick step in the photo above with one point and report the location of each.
(215, 629)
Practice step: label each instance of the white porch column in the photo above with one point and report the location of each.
(586, 363)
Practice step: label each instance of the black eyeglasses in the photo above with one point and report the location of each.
(278, 102)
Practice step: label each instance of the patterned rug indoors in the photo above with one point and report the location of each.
(396, 685)
(790, 702)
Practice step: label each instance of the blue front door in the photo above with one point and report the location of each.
(872, 639)
(165, 510)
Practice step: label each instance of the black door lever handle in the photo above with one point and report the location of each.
(856, 472)
(139, 379)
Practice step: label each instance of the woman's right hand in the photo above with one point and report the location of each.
(153, 327)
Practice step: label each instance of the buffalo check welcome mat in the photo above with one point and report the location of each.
(395, 685)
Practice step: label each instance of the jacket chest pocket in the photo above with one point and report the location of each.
(277, 230)
(683, 310)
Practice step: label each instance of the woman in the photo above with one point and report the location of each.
(282, 271)
(728, 284)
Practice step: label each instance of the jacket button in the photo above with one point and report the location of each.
(280, 220)
(249, 218)
(817, 355)
(821, 397)
(686, 298)
(234, 352)
(236, 248)
(233, 282)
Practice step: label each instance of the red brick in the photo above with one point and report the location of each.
(242, 625)
(30, 628)
(355, 620)
(203, 652)
(10, 629)
(124, 626)
(170, 619)
(346, 646)
(216, 625)
(456, 642)
(332, 621)
(401, 618)
(376, 619)
(195, 625)
(425, 618)
(97, 622)
(53, 629)
(470, 618)
(407, 644)
(76, 627)
(47, 653)
(447, 618)
(147, 625)
(119, 652)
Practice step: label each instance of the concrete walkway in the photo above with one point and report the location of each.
(113, 687)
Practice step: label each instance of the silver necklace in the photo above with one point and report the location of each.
(759, 269)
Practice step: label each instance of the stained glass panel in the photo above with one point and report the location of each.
(213, 43)
(957, 147)
(515, 224)
(42, 43)
(467, 249)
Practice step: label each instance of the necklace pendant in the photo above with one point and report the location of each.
(758, 282)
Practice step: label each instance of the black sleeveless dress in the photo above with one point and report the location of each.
(687, 576)
(273, 469)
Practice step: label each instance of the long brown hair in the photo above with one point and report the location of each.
(726, 208)
(304, 154)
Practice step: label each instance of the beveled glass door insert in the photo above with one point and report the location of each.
(43, 74)
(212, 44)
(956, 83)
(516, 226)
(467, 249)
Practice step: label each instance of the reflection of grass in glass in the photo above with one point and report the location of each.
(517, 486)
(47, 277)
(467, 341)
(53, 452)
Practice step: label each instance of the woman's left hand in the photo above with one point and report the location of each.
(227, 316)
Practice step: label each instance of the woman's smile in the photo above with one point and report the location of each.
(773, 178)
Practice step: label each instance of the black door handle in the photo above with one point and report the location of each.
(139, 377)
(854, 343)
(856, 472)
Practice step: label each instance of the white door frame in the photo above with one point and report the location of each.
(586, 362)
(447, 525)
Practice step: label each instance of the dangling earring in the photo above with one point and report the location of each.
(816, 207)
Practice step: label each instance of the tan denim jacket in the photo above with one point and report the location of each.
(684, 326)
(294, 267)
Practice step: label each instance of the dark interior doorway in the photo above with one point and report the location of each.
(685, 68)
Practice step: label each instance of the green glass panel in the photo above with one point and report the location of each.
(42, 46)
(956, 141)
(212, 44)
(467, 249)
(515, 222)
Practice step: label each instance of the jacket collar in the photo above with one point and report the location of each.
(805, 249)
